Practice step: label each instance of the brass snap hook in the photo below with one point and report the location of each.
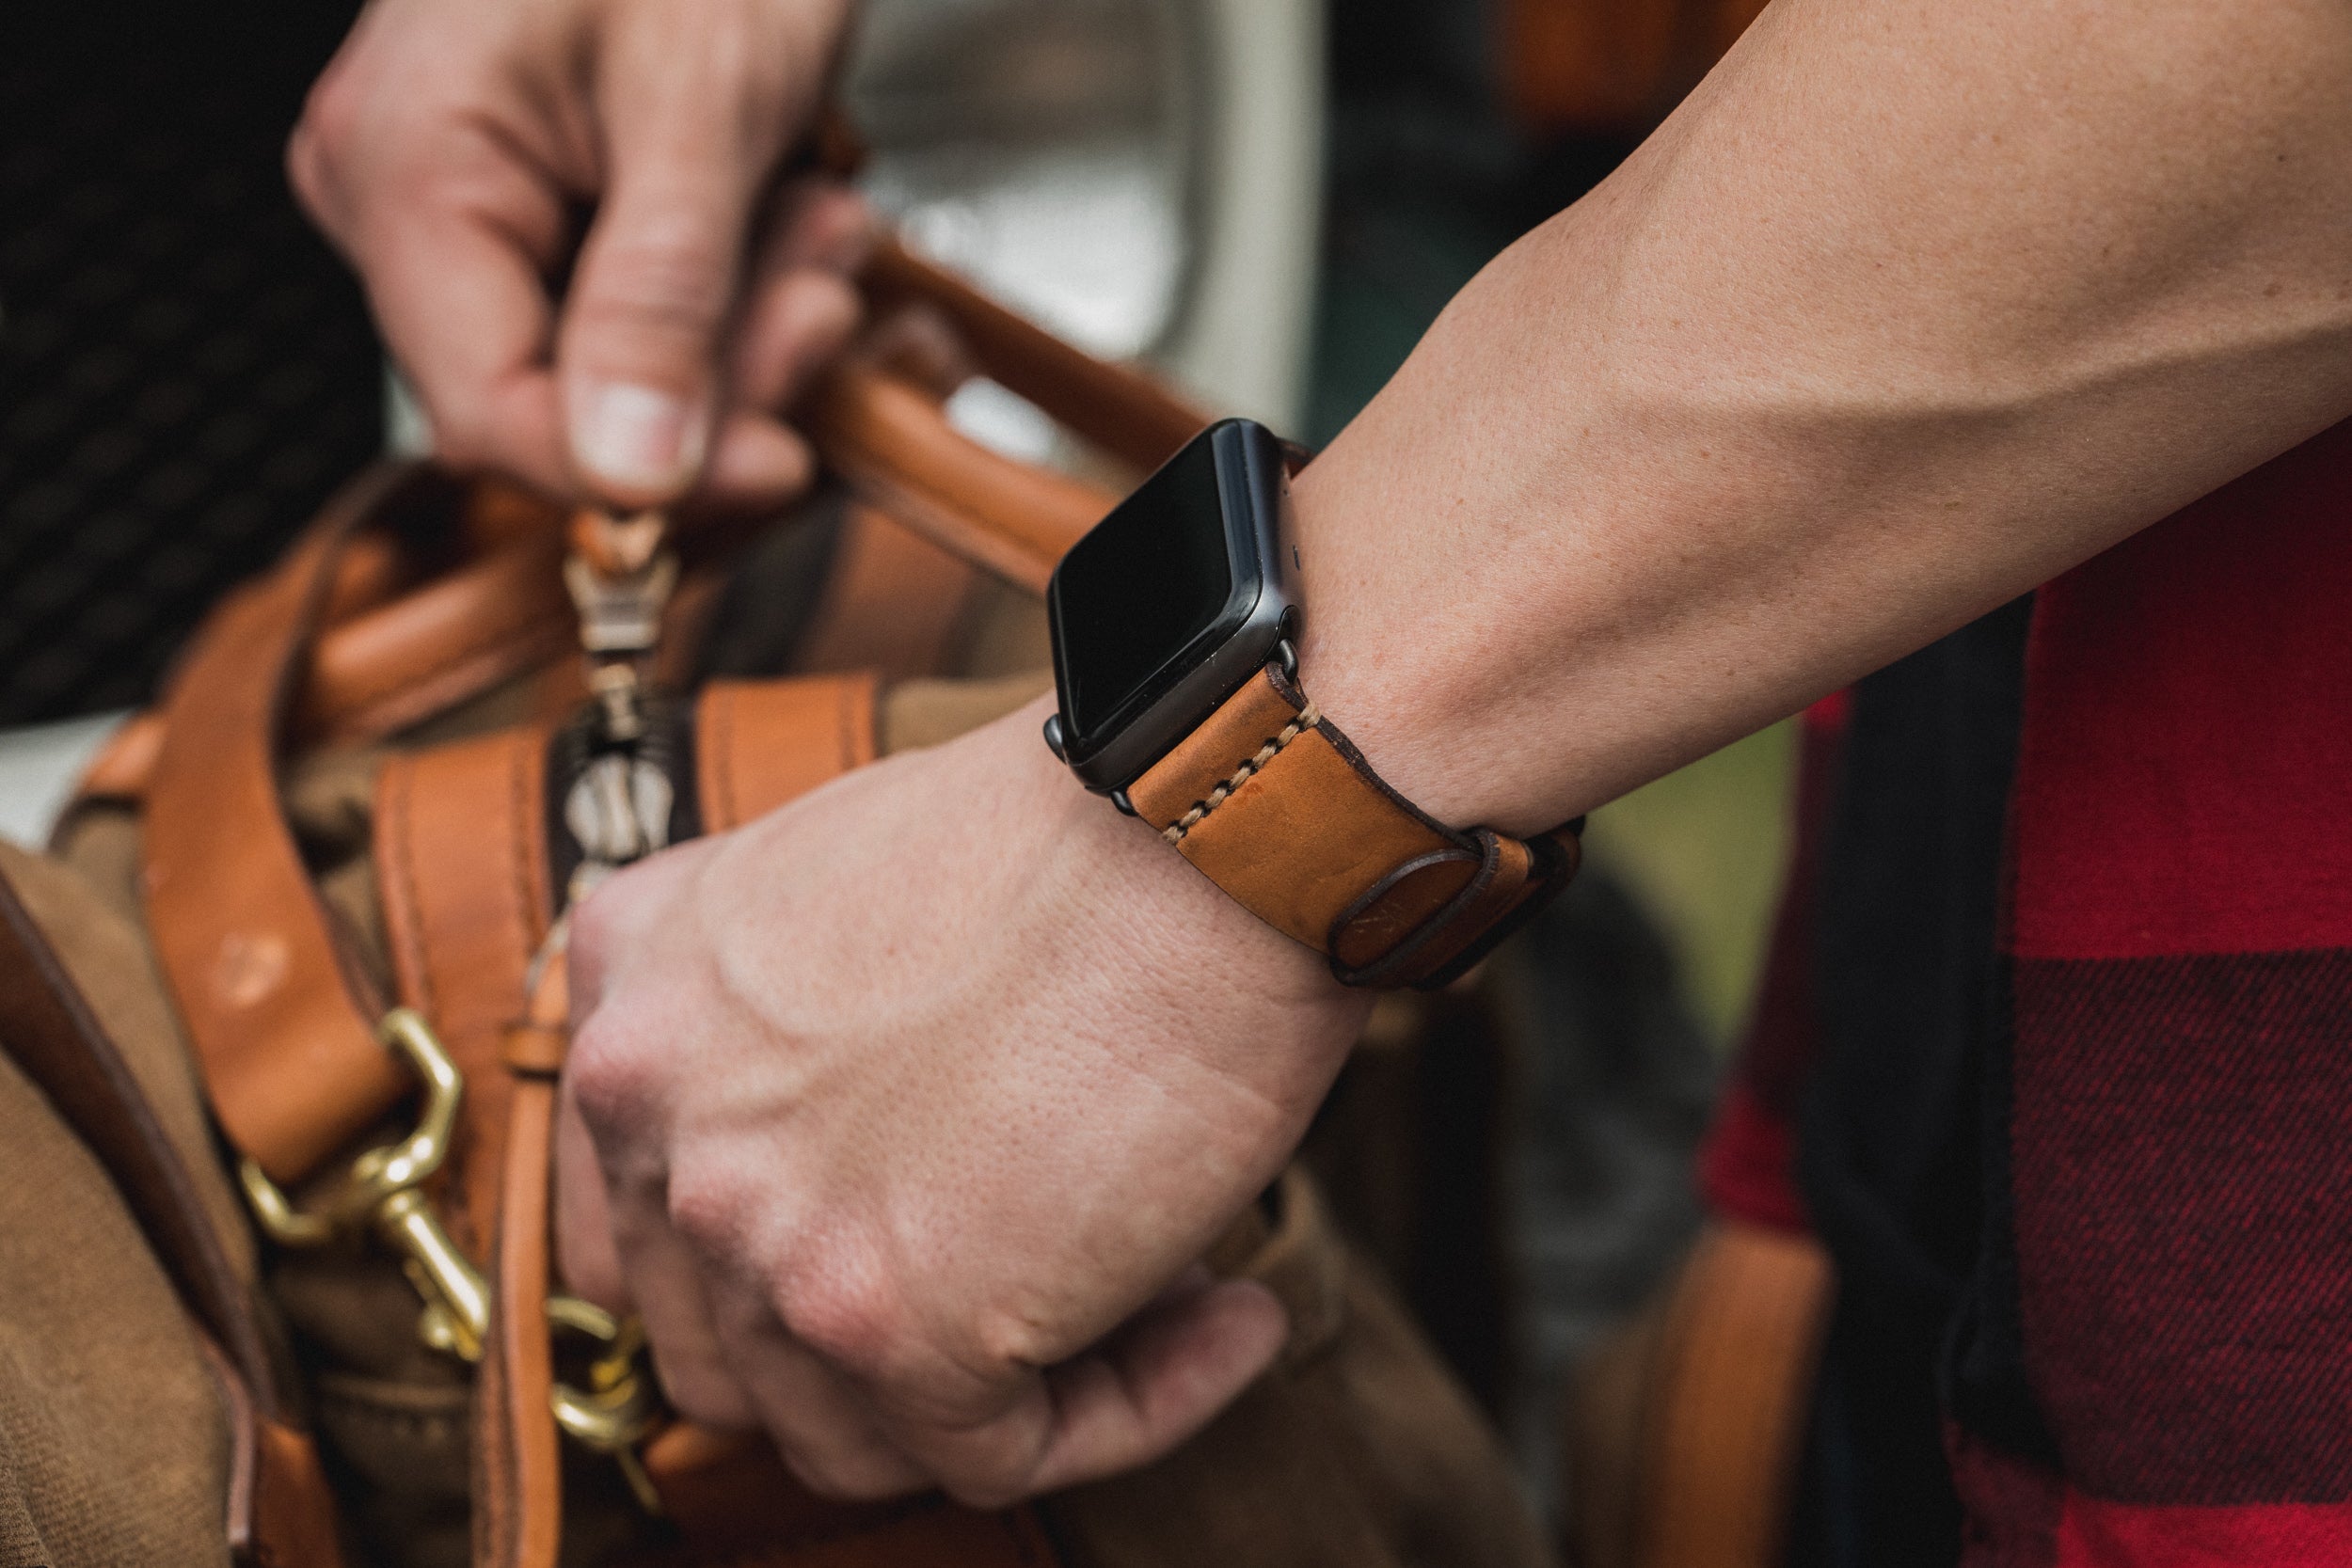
(381, 1193)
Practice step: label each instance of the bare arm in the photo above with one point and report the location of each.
(1912, 306)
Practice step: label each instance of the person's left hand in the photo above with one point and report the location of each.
(902, 1115)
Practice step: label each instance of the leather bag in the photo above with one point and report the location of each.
(296, 959)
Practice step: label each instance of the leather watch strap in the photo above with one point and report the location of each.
(1271, 802)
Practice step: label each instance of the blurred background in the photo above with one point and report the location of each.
(1271, 200)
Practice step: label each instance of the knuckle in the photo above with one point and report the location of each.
(711, 1205)
(847, 1315)
(333, 109)
(670, 274)
(613, 1078)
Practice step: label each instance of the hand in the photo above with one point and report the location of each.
(448, 151)
(901, 1115)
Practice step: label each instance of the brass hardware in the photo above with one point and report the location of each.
(380, 1173)
(620, 1404)
(383, 1194)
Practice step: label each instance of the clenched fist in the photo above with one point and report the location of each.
(902, 1113)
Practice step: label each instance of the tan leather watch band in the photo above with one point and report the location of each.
(1272, 803)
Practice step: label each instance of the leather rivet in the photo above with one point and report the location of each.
(251, 966)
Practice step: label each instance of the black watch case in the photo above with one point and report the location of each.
(1171, 603)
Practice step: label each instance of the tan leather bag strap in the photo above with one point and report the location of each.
(519, 1502)
(279, 1509)
(280, 1018)
(1121, 410)
(887, 439)
(461, 859)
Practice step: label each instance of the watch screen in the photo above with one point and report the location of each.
(1135, 592)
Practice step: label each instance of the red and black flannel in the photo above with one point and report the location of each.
(2056, 1056)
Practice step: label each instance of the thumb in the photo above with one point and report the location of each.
(689, 146)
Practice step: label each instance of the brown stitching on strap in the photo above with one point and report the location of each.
(1308, 716)
(404, 869)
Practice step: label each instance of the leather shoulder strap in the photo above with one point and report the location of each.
(279, 1014)
(518, 1500)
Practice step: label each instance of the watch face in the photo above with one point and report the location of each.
(1142, 587)
(1170, 604)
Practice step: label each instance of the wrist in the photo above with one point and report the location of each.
(1391, 660)
(1116, 874)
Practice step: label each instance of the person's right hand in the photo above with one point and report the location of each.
(451, 148)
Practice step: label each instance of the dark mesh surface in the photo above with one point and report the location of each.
(186, 370)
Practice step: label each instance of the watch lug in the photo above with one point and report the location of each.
(1119, 799)
(1054, 740)
(1286, 655)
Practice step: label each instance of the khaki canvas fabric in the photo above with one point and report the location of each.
(113, 1445)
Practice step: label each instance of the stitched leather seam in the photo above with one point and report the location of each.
(1308, 716)
(404, 865)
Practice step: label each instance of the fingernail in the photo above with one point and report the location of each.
(635, 436)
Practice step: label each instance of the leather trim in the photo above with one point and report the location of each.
(461, 859)
(758, 744)
(433, 647)
(519, 1507)
(893, 601)
(733, 1502)
(124, 764)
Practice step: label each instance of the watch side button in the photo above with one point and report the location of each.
(1054, 740)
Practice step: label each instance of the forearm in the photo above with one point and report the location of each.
(1908, 310)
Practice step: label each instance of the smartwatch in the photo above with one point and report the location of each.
(1175, 625)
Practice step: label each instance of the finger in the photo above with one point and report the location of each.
(1161, 1378)
(690, 138)
(797, 321)
(461, 307)
(760, 463)
(823, 223)
(918, 343)
(585, 1256)
(663, 1276)
(819, 1423)
(617, 918)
